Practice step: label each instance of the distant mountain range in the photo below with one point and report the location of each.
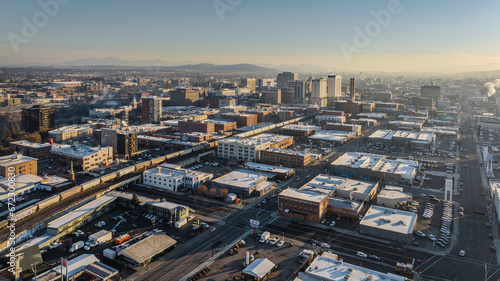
(196, 66)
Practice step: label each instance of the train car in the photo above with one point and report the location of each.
(140, 166)
(158, 160)
(90, 184)
(125, 171)
(24, 213)
(49, 201)
(108, 177)
(3, 224)
(70, 192)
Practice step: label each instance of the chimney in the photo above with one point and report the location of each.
(158, 169)
(248, 258)
(351, 89)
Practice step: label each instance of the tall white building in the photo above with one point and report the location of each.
(248, 149)
(318, 92)
(334, 84)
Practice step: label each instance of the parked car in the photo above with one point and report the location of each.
(54, 245)
(361, 254)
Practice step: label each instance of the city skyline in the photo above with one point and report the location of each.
(384, 36)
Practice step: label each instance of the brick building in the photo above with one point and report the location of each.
(242, 119)
(306, 205)
(191, 127)
(37, 150)
(287, 158)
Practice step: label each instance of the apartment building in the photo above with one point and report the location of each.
(83, 157)
(70, 133)
(18, 164)
(287, 158)
(248, 149)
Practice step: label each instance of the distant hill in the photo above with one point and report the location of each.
(202, 67)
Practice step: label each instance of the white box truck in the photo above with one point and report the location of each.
(180, 223)
(76, 246)
(100, 237)
(264, 236)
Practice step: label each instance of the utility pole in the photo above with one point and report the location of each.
(212, 232)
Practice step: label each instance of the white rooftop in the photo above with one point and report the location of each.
(20, 181)
(359, 160)
(77, 264)
(70, 128)
(85, 209)
(336, 136)
(259, 268)
(239, 179)
(80, 151)
(389, 219)
(303, 195)
(14, 159)
(31, 144)
(301, 127)
(267, 168)
(327, 267)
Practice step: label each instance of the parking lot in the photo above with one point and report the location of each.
(133, 224)
(285, 256)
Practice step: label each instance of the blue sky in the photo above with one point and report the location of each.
(423, 35)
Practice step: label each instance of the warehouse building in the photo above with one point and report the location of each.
(369, 166)
(332, 137)
(23, 184)
(246, 184)
(388, 223)
(329, 267)
(76, 267)
(392, 196)
(301, 204)
(140, 253)
(81, 216)
(279, 173)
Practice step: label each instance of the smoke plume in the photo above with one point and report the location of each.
(492, 86)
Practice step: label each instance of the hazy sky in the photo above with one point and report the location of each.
(420, 35)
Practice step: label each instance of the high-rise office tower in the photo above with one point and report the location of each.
(184, 97)
(285, 77)
(334, 85)
(352, 90)
(318, 92)
(151, 110)
(37, 117)
(433, 92)
(249, 83)
(300, 90)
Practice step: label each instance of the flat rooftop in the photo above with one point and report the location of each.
(80, 151)
(336, 136)
(239, 179)
(78, 213)
(268, 168)
(389, 219)
(357, 186)
(20, 181)
(26, 143)
(301, 127)
(288, 151)
(15, 159)
(345, 203)
(310, 196)
(147, 247)
(325, 182)
(358, 160)
(70, 128)
(327, 267)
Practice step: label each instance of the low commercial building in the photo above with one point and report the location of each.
(40, 151)
(331, 118)
(287, 158)
(333, 137)
(200, 126)
(299, 130)
(345, 207)
(242, 183)
(82, 215)
(140, 253)
(83, 157)
(223, 125)
(329, 267)
(85, 263)
(407, 125)
(301, 204)
(18, 164)
(71, 133)
(392, 196)
(388, 223)
(259, 269)
(279, 173)
(407, 139)
(172, 179)
(248, 149)
(20, 185)
(353, 128)
(241, 119)
(357, 190)
(375, 167)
